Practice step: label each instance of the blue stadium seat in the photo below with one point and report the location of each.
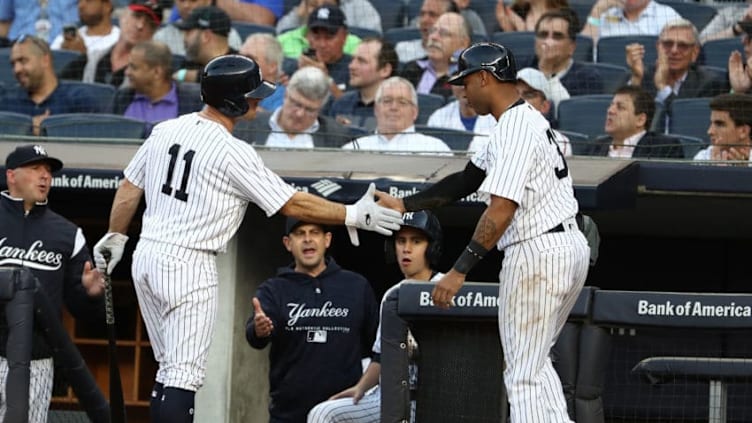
(363, 32)
(579, 143)
(61, 58)
(177, 61)
(613, 49)
(12, 123)
(92, 125)
(6, 71)
(697, 13)
(716, 52)
(392, 14)
(486, 9)
(289, 65)
(246, 28)
(395, 35)
(522, 44)
(427, 104)
(456, 139)
(690, 145)
(585, 114)
(103, 93)
(613, 76)
(690, 116)
(584, 50)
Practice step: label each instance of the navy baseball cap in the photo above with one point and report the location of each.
(207, 17)
(28, 154)
(292, 223)
(328, 17)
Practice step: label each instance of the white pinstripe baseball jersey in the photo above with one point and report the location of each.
(523, 164)
(198, 180)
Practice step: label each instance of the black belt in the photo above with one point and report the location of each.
(557, 228)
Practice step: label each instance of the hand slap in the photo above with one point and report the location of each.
(366, 214)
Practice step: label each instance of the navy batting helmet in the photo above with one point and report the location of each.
(428, 223)
(492, 57)
(228, 81)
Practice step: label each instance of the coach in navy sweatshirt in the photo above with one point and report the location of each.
(320, 320)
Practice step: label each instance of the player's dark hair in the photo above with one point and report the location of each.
(738, 106)
(642, 100)
(569, 15)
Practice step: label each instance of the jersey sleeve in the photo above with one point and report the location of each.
(508, 157)
(257, 183)
(135, 172)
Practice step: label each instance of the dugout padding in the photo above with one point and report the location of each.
(460, 359)
(647, 324)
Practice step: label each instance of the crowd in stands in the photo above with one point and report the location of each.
(348, 77)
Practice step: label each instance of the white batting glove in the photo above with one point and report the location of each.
(109, 251)
(366, 214)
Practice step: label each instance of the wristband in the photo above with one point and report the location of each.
(180, 75)
(351, 215)
(593, 21)
(472, 254)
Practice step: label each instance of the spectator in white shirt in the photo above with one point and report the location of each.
(459, 115)
(627, 17)
(396, 111)
(97, 33)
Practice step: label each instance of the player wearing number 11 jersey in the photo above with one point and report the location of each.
(197, 180)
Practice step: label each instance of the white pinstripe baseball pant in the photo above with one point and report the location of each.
(367, 410)
(177, 293)
(42, 373)
(540, 281)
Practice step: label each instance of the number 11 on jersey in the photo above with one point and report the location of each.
(174, 152)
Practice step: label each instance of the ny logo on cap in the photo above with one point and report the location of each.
(39, 150)
(323, 14)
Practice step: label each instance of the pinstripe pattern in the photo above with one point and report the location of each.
(225, 174)
(179, 316)
(367, 410)
(520, 164)
(540, 281)
(40, 388)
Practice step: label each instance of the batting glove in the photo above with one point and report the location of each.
(109, 251)
(366, 214)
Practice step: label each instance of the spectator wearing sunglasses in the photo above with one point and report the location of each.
(675, 74)
(39, 93)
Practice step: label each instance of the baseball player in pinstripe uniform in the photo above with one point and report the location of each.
(197, 180)
(530, 216)
(417, 249)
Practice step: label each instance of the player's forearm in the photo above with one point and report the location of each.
(310, 208)
(371, 376)
(447, 190)
(494, 221)
(247, 12)
(124, 206)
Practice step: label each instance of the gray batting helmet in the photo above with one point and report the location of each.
(492, 57)
(228, 81)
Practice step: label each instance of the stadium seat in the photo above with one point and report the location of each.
(246, 28)
(289, 65)
(690, 116)
(522, 44)
(427, 104)
(6, 71)
(92, 125)
(613, 49)
(579, 143)
(486, 9)
(61, 58)
(103, 93)
(412, 9)
(690, 145)
(716, 52)
(456, 139)
(613, 76)
(392, 14)
(12, 123)
(363, 32)
(582, 9)
(395, 35)
(697, 13)
(356, 131)
(177, 61)
(585, 114)
(584, 50)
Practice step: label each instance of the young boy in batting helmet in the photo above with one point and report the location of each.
(417, 249)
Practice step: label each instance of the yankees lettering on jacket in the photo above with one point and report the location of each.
(35, 256)
(326, 310)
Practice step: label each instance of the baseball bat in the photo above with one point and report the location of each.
(117, 405)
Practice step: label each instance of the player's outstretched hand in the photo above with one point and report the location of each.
(109, 250)
(366, 214)
(354, 392)
(447, 288)
(261, 322)
(386, 200)
(92, 280)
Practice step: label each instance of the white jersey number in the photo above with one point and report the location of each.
(180, 194)
(562, 172)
